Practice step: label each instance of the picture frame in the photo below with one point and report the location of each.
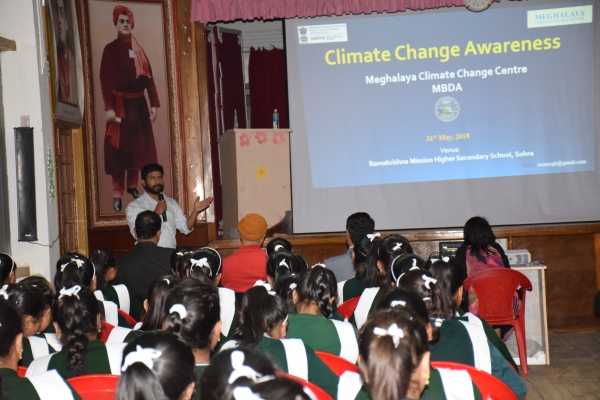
(100, 44)
(65, 53)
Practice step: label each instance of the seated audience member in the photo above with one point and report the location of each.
(155, 305)
(391, 247)
(193, 316)
(204, 265)
(249, 263)
(146, 262)
(278, 244)
(30, 305)
(156, 366)
(394, 356)
(442, 384)
(454, 333)
(106, 271)
(401, 264)
(358, 225)
(77, 323)
(8, 269)
(246, 373)
(11, 385)
(284, 272)
(316, 299)
(479, 249)
(263, 324)
(369, 278)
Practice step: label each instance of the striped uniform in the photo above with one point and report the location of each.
(227, 309)
(111, 310)
(46, 386)
(464, 340)
(39, 345)
(120, 295)
(322, 334)
(99, 359)
(448, 384)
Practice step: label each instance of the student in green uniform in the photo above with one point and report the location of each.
(246, 373)
(205, 265)
(401, 264)
(391, 247)
(443, 384)
(193, 316)
(106, 270)
(45, 386)
(462, 339)
(284, 272)
(8, 269)
(263, 324)
(315, 299)
(77, 323)
(156, 366)
(394, 355)
(30, 305)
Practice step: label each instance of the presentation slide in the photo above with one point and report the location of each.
(442, 96)
(446, 114)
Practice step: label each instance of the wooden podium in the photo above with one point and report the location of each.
(255, 175)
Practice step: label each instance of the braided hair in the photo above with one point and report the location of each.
(319, 286)
(76, 313)
(157, 299)
(74, 269)
(260, 312)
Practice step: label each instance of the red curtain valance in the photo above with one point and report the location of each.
(229, 10)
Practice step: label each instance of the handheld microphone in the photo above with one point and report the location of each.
(164, 214)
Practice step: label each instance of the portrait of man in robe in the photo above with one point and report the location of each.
(131, 97)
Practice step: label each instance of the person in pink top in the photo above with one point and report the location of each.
(249, 263)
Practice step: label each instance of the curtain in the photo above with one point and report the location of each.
(268, 87)
(229, 10)
(232, 80)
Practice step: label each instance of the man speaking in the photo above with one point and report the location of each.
(172, 215)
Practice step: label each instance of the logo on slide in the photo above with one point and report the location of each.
(447, 109)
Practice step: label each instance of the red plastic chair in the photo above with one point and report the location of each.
(495, 289)
(95, 387)
(336, 364)
(490, 387)
(21, 371)
(128, 318)
(346, 309)
(319, 393)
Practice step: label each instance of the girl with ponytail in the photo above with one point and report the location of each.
(205, 265)
(105, 274)
(193, 315)
(464, 339)
(394, 356)
(156, 366)
(12, 386)
(263, 325)
(284, 272)
(315, 299)
(77, 324)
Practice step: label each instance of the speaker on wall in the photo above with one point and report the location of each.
(25, 184)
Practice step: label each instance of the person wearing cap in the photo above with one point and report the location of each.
(249, 263)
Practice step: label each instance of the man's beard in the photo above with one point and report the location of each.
(156, 189)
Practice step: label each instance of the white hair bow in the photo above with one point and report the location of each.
(178, 309)
(445, 259)
(266, 285)
(283, 263)
(397, 246)
(293, 285)
(72, 291)
(142, 355)
(245, 393)
(4, 292)
(397, 303)
(239, 370)
(78, 261)
(394, 331)
(278, 247)
(427, 281)
(319, 265)
(167, 281)
(203, 262)
(372, 236)
(414, 264)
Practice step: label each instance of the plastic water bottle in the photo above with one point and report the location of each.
(275, 119)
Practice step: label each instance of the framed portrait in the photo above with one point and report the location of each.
(132, 117)
(66, 55)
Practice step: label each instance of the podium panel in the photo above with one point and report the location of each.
(255, 175)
